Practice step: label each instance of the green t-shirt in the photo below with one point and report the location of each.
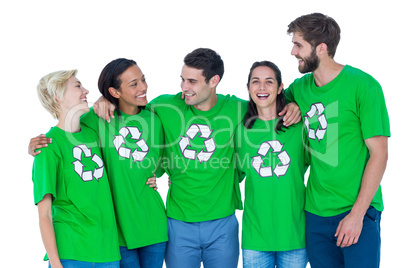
(338, 118)
(132, 149)
(200, 157)
(72, 171)
(274, 165)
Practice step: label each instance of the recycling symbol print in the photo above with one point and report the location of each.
(135, 135)
(87, 175)
(316, 109)
(272, 147)
(209, 143)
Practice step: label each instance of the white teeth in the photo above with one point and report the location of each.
(142, 96)
(189, 95)
(262, 95)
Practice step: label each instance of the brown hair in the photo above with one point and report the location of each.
(317, 28)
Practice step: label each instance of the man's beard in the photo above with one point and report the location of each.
(310, 64)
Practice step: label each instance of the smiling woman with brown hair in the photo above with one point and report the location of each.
(272, 158)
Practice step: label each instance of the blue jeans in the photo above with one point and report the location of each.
(296, 258)
(215, 243)
(322, 250)
(84, 264)
(145, 257)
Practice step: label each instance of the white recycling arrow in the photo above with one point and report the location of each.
(316, 108)
(285, 161)
(187, 153)
(209, 143)
(79, 167)
(263, 150)
(204, 156)
(79, 149)
(263, 171)
(205, 131)
(276, 146)
(192, 131)
(125, 152)
(98, 173)
(140, 155)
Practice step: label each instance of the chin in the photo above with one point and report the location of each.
(143, 103)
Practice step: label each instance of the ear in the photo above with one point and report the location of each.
(114, 92)
(214, 81)
(57, 98)
(280, 89)
(322, 48)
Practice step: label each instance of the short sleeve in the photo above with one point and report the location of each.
(91, 120)
(372, 110)
(44, 174)
(289, 94)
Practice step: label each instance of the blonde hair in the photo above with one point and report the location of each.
(51, 86)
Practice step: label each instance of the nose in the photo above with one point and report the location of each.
(294, 51)
(143, 85)
(86, 91)
(184, 86)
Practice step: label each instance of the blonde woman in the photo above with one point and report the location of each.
(71, 188)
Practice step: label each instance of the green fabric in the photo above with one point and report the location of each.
(274, 165)
(82, 208)
(140, 211)
(339, 117)
(200, 157)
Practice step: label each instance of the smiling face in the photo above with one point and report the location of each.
(132, 92)
(264, 88)
(304, 52)
(75, 97)
(197, 91)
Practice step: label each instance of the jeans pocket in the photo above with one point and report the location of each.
(373, 214)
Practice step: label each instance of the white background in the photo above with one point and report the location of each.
(38, 37)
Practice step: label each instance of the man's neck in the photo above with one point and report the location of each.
(208, 104)
(327, 71)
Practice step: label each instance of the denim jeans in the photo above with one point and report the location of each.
(322, 250)
(268, 259)
(146, 257)
(215, 243)
(84, 264)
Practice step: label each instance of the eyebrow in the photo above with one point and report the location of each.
(267, 78)
(190, 79)
(136, 79)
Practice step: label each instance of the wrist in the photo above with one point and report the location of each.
(358, 211)
(56, 264)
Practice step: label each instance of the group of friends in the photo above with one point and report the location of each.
(94, 179)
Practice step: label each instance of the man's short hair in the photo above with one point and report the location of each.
(207, 60)
(317, 28)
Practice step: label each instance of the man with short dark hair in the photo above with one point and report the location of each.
(204, 190)
(347, 123)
